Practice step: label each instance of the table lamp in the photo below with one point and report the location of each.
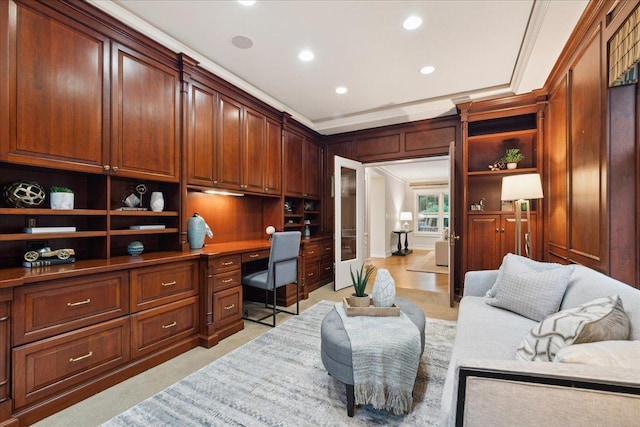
(270, 230)
(519, 189)
(406, 216)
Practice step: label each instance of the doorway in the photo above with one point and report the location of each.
(392, 188)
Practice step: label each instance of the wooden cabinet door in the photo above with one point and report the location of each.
(273, 158)
(229, 143)
(145, 105)
(311, 167)
(57, 84)
(483, 246)
(293, 183)
(254, 161)
(201, 136)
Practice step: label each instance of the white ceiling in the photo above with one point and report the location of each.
(427, 171)
(479, 49)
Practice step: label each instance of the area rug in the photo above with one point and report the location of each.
(427, 264)
(278, 379)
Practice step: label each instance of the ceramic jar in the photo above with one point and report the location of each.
(196, 230)
(157, 201)
(384, 289)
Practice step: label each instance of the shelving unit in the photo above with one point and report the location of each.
(488, 132)
(303, 210)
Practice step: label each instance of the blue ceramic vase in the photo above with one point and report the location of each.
(196, 230)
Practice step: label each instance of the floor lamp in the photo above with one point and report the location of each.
(520, 189)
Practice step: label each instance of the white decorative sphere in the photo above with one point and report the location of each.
(270, 229)
(384, 289)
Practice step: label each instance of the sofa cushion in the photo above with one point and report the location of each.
(511, 260)
(598, 320)
(529, 292)
(624, 354)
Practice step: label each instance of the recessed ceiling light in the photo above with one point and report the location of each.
(305, 55)
(247, 2)
(412, 22)
(341, 90)
(427, 70)
(242, 42)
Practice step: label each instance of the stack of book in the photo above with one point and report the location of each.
(48, 261)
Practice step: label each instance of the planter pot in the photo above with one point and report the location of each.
(355, 301)
(512, 165)
(61, 200)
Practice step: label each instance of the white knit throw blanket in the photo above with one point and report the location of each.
(385, 353)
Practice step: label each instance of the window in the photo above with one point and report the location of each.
(432, 210)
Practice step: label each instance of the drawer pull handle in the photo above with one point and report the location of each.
(227, 263)
(309, 274)
(75, 359)
(171, 283)
(75, 304)
(311, 252)
(254, 255)
(327, 268)
(229, 307)
(227, 280)
(170, 325)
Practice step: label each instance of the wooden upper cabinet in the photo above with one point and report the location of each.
(145, 99)
(228, 156)
(254, 151)
(311, 165)
(294, 184)
(273, 158)
(201, 136)
(58, 84)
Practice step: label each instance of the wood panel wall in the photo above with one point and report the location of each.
(592, 160)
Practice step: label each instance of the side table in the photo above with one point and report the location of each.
(406, 251)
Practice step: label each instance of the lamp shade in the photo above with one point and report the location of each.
(406, 216)
(526, 186)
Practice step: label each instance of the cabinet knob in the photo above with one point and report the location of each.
(106, 167)
(497, 230)
(502, 230)
(115, 169)
(266, 189)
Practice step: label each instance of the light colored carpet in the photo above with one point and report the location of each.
(427, 264)
(278, 379)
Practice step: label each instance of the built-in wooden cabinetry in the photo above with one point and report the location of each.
(489, 128)
(229, 145)
(70, 334)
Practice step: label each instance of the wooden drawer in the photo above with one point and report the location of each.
(255, 255)
(326, 270)
(158, 327)
(226, 263)
(327, 250)
(227, 280)
(227, 306)
(47, 367)
(158, 285)
(311, 252)
(311, 273)
(47, 309)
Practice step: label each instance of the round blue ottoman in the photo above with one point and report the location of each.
(335, 347)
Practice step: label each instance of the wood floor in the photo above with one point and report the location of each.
(397, 266)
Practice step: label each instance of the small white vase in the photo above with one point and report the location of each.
(61, 200)
(157, 201)
(512, 165)
(384, 289)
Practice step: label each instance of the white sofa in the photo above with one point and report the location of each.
(499, 390)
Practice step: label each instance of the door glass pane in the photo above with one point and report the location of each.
(348, 214)
(445, 209)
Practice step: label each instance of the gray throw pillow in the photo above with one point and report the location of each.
(530, 293)
(602, 319)
(512, 260)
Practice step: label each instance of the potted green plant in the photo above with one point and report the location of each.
(512, 157)
(61, 198)
(360, 298)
